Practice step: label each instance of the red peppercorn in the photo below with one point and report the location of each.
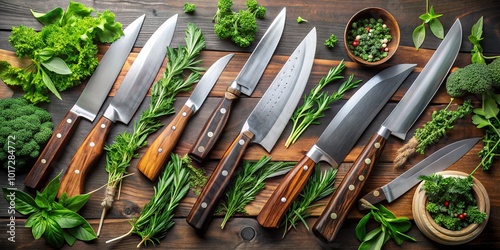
(355, 43)
(367, 29)
(446, 203)
(461, 216)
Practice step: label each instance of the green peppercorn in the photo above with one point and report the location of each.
(368, 39)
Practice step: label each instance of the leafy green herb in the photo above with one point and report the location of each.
(156, 216)
(248, 183)
(319, 186)
(56, 222)
(62, 53)
(189, 7)
(331, 41)
(429, 17)
(163, 92)
(301, 20)
(390, 227)
(317, 102)
(442, 121)
(487, 117)
(368, 38)
(475, 38)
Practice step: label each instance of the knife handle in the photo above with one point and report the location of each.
(52, 150)
(154, 159)
(287, 191)
(73, 181)
(214, 126)
(331, 219)
(204, 207)
(374, 197)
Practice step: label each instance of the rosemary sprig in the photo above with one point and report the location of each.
(249, 181)
(317, 102)
(319, 186)
(163, 92)
(156, 216)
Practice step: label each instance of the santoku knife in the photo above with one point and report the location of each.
(88, 104)
(125, 103)
(336, 141)
(438, 161)
(245, 83)
(152, 162)
(397, 123)
(263, 126)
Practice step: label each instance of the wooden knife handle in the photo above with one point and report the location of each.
(73, 181)
(374, 197)
(287, 191)
(330, 221)
(60, 137)
(154, 159)
(204, 207)
(214, 127)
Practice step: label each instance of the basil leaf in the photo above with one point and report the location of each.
(41, 201)
(53, 233)
(38, 226)
(437, 28)
(66, 218)
(25, 204)
(32, 219)
(57, 65)
(50, 85)
(50, 17)
(418, 36)
(361, 227)
(70, 239)
(477, 29)
(74, 203)
(50, 191)
(83, 232)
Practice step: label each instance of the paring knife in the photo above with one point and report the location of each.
(154, 159)
(245, 83)
(397, 123)
(263, 126)
(336, 141)
(438, 161)
(88, 104)
(125, 103)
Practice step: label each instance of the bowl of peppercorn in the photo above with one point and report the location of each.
(371, 36)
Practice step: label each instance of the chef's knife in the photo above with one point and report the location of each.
(263, 126)
(337, 140)
(153, 160)
(245, 83)
(397, 123)
(126, 101)
(88, 104)
(438, 161)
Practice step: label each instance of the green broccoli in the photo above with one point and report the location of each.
(331, 41)
(494, 68)
(301, 20)
(189, 7)
(24, 129)
(474, 78)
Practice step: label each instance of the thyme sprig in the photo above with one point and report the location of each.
(163, 92)
(317, 102)
(319, 186)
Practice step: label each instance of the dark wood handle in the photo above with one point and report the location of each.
(154, 159)
(330, 221)
(60, 137)
(287, 191)
(213, 128)
(73, 181)
(374, 197)
(204, 207)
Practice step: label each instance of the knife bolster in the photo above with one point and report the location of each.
(384, 132)
(317, 155)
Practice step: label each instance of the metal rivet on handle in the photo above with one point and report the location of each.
(377, 145)
(204, 205)
(160, 150)
(333, 216)
(174, 128)
(223, 110)
(58, 135)
(224, 172)
(69, 121)
(92, 144)
(184, 114)
(283, 199)
(241, 142)
(351, 187)
(210, 134)
(305, 168)
(77, 171)
(368, 161)
(103, 125)
(43, 161)
(361, 177)
(376, 193)
(201, 149)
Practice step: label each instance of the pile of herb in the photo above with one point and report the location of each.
(56, 222)
(161, 103)
(429, 17)
(62, 53)
(156, 217)
(331, 41)
(317, 102)
(368, 39)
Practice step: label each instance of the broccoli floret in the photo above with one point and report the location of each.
(301, 20)
(474, 78)
(189, 7)
(24, 129)
(331, 41)
(494, 68)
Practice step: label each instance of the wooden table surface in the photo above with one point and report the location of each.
(243, 231)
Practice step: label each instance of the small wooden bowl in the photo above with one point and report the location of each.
(391, 23)
(433, 231)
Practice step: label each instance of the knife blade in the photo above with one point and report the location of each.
(244, 83)
(263, 126)
(151, 163)
(336, 141)
(125, 103)
(438, 161)
(397, 123)
(88, 104)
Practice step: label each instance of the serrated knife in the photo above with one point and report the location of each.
(152, 162)
(125, 103)
(88, 104)
(438, 161)
(244, 83)
(336, 141)
(263, 126)
(397, 123)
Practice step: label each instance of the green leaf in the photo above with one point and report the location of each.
(41, 201)
(385, 212)
(426, 17)
(50, 17)
(361, 227)
(57, 65)
(50, 191)
(83, 232)
(53, 233)
(45, 54)
(433, 14)
(437, 28)
(418, 36)
(370, 235)
(405, 237)
(490, 108)
(477, 30)
(66, 218)
(477, 58)
(74, 203)
(25, 204)
(50, 85)
(37, 224)
(70, 239)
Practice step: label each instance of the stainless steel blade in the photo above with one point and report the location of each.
(207, 82)
(272, 113)
(352, 119)
(251, 72)
(104, 76)
(438, 161)
(426, 84)
(141, 74)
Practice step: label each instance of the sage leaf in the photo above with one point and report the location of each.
(49, 84)
(386, 212)
(361, 227)
(418, 36)
(25, 204)
(53, 233)
(370, 235)
(83, 232)
(66, 218)
(436, 28)
(50, 17)
(74, 203)
(57, 65)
